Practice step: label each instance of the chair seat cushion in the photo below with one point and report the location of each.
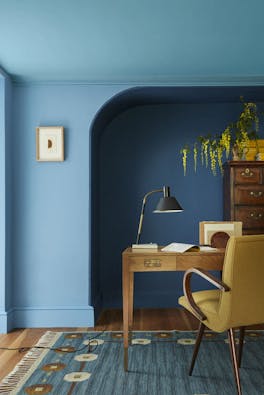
(208, 302)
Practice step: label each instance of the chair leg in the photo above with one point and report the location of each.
(240, 345)
(197, 346)
(234, 359)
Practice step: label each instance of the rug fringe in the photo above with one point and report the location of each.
(23, 369)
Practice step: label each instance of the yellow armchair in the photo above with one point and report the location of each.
(238, 300)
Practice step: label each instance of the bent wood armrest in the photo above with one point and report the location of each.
(188, 293)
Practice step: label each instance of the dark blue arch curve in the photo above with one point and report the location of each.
(142, 96)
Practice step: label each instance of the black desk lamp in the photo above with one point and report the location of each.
(167, 204)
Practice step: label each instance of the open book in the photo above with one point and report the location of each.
(183, 247)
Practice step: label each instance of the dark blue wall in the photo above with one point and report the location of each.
(139, 152)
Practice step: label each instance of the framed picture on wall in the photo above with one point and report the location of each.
(50, 144)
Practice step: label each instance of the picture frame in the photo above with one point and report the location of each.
(50, 144)
(213, 231)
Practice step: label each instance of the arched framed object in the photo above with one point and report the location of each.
(216, 234)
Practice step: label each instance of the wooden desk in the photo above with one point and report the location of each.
(158, 261)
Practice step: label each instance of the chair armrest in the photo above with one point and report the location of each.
(188, 293)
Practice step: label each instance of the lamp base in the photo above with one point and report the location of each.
(151, 246)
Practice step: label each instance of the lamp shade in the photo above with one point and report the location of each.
(168, 204)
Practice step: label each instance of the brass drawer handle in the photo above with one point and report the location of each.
(152, 263)
(256, 194)
(256, 216)
(247, 173)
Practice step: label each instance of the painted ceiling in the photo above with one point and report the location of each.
(139, 41)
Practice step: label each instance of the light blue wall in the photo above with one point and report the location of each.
(2, 203)
(51, 239)
(50, 283)
(5, 199)
(8, 186)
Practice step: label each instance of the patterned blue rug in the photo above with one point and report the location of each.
(83, 363)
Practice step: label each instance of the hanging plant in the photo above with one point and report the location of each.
(233, 141)
(204, 141)
(213, 155)
(195, 154)
(225, 140)
(185, 151)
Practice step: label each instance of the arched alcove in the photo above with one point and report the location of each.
(135, 143)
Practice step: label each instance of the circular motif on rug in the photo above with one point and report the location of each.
(53, 367)
(65, 349)
(117, 335)
(38, 389)
(254, 334)
(73, 336)
(163, 335)
(93, 342)
(76, 377)
(236, 341)
(209, 335)
(186, 342)
(141, 341)
(86, 357)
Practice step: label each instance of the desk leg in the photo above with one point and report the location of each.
(131, 300)
(126, 299)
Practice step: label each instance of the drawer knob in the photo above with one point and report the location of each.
(256, 194)
(247, 173)
(256, 216)
(152, 263)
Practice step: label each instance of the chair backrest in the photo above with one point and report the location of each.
(243, 272)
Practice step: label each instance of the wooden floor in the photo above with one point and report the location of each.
(144, 319)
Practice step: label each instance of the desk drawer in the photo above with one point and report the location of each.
(155, 263)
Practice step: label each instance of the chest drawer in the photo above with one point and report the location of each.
(248, 175)
(252, 217)
(155, 263)
(249, 194)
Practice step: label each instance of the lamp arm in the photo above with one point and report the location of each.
(143, 210)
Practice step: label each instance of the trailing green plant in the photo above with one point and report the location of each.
(184, 152)
(232, 142)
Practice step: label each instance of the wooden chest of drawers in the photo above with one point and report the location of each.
(244, 194)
